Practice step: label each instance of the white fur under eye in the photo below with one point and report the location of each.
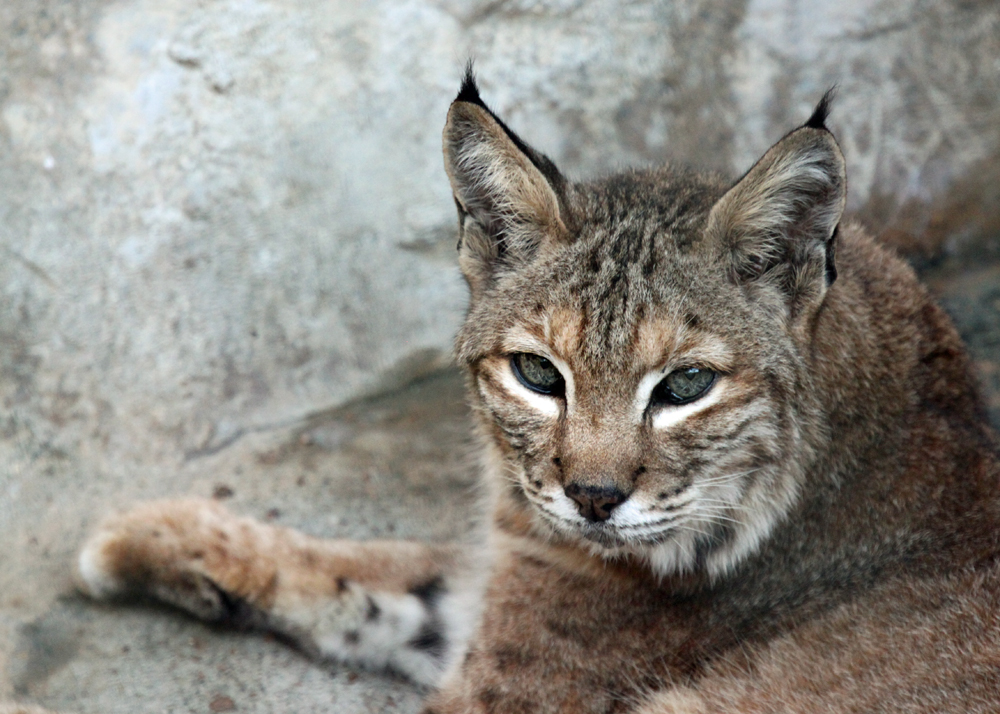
(544, 403)
(668, 415)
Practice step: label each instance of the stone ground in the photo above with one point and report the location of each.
(393, 465)
(397, 464)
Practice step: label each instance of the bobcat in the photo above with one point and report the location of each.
(734, 462)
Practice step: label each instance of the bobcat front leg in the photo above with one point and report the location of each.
(384, 604)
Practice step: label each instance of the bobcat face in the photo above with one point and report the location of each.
(632, 411)
(636, 345)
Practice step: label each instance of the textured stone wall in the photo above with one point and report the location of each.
(217, 217)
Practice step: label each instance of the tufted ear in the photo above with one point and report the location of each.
(778, 225)
(508, 195)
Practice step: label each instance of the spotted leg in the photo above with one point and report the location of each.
(397, 605)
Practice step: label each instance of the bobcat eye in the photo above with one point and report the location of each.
(538, 374)
(683, 385)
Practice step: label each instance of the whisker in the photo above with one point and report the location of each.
(726, 478)
(709, 509)
(696, 531)
(717, 506)
(646, 524)
(676, 504)
(715, 517)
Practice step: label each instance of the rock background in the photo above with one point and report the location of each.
(224, 227)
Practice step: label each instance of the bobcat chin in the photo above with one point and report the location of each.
(734, 457)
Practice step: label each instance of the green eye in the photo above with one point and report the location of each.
(683, 385)
(537, 374)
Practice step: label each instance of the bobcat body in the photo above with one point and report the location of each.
(734, 462)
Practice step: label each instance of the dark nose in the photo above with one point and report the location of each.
(596, 502)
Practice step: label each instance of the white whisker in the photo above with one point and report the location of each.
(726, 478)
(714, 517)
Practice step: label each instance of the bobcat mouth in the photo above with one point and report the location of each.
(611, 536)
(608, 534)
(604, 536)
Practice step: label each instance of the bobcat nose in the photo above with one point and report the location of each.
(595, 503)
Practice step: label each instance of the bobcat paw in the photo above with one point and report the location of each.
(377, 604)
(191, 553)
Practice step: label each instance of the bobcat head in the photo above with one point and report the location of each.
(638, 346)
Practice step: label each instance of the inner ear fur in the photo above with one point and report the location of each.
(506, 193)
(778, 224)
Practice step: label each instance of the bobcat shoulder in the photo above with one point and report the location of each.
(734, 456)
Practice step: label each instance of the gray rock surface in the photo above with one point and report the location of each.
(224, 227)
(396, 465)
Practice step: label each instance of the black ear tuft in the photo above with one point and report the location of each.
(818, 118)
(510, 198)
(469, 91)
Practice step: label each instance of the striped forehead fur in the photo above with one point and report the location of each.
(623, 257)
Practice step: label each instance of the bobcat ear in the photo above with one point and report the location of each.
(778, 224)
(507, 194)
